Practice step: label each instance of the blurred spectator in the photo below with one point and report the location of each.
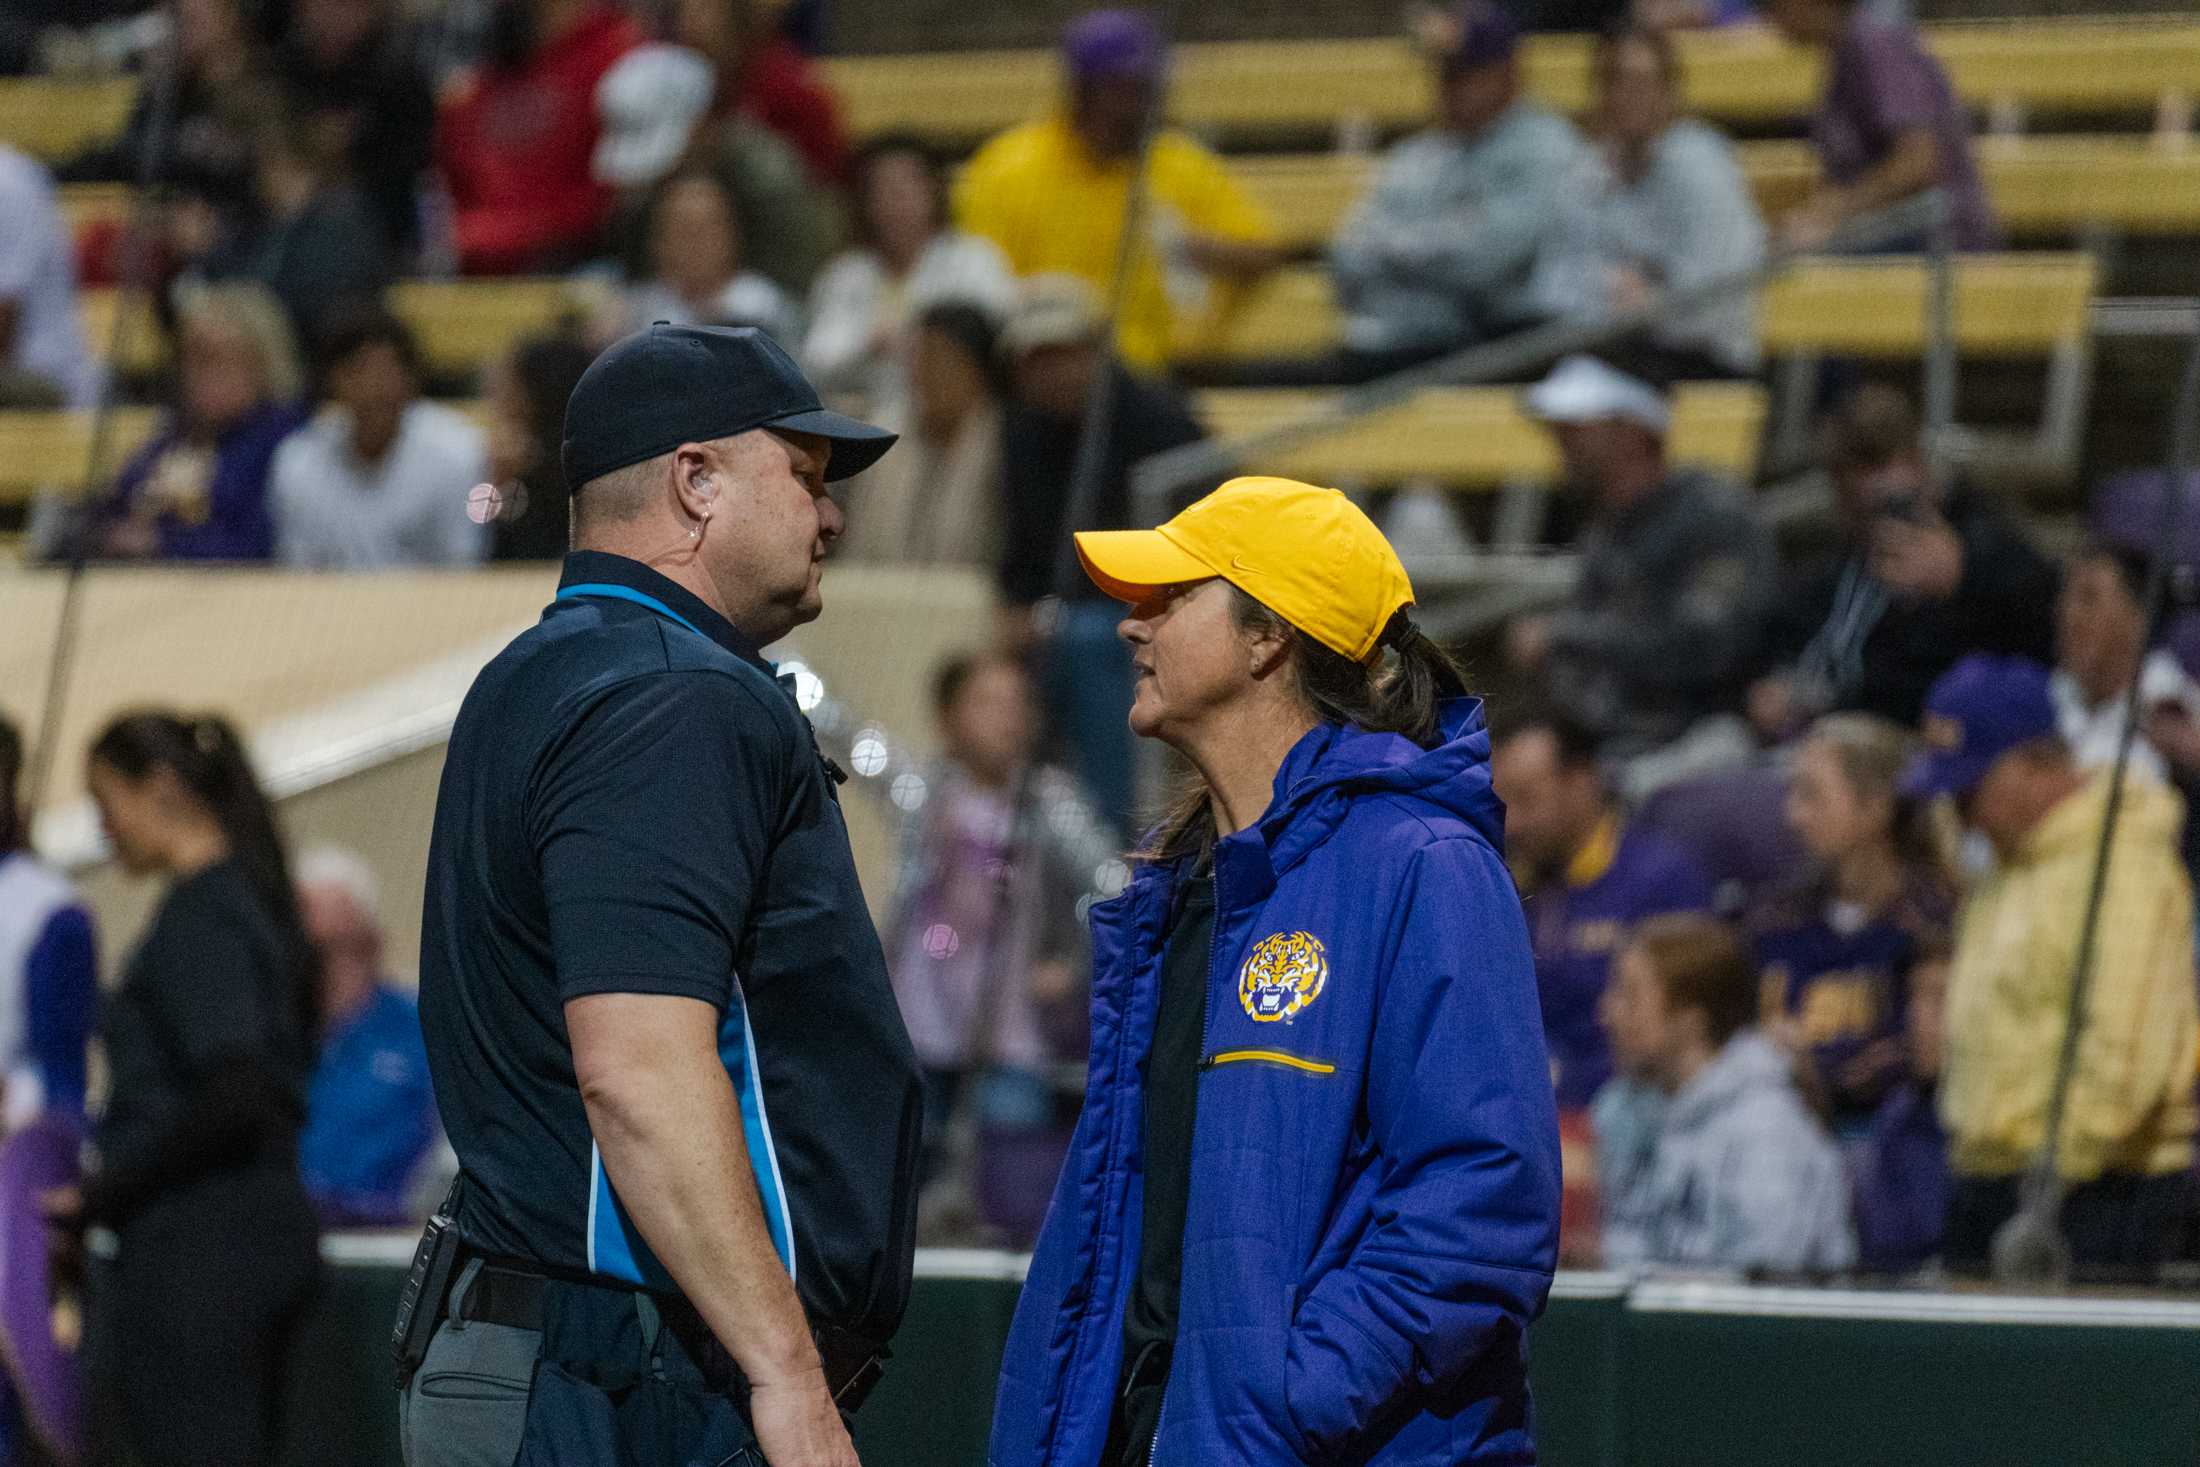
(1053, 341)
(1901, 1181)
(654, 108)
(905, 260)
(762, 76)
(49, 967)
(1888, 126)
(1659, 203)
(42, 358)
(1586, 881)
(198, 490)
(1709, 1156)
(352, 72)
(516, 139)
(1438, 254)
(208, 1042)
(1652, 652)
(2126, 1144)
(1053, 194)
(370, 1115)
(313, 241)
(937, 498)
(222, 89)
(526, 393)
(1837, 952)
(2100, 646)
(696, 274)
(380, 477)
(987, 948)
(1931, 570)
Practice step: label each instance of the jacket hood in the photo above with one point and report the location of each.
(2152, 814)
(1335, 762)
(1749, 1065)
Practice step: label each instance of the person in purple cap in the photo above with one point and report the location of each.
(1995, 749)
(1052, 193)
(1437, 255)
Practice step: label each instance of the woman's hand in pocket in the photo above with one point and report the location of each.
(797, 1424)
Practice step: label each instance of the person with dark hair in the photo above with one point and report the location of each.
(696, 273)
(380, 477)
(1838, 952)
(526, 391)
(906, 259)
(1931, 568)
(209, 1042)
(353, 74)
(1657, 202)
(1053, 194)
(2101, 645)
(1709, 1156)
(937, 500)
(516, 138)
(1994, 749)
(1888, 126)
(762, 77)
(49, 967)
(988, 953)
(1587, 879)
(1317, 1133)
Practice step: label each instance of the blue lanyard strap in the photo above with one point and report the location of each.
(604, 590)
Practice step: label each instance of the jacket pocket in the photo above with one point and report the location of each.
(1280, 1057)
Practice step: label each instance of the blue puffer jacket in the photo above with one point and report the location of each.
(1373, 1216)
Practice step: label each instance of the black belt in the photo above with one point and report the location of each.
(501, 1294)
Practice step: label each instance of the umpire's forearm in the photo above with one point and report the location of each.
(668, 1126)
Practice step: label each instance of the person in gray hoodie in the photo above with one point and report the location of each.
(1437, 255)
(1707, 1157)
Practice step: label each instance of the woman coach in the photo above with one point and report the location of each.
(1312, 1203)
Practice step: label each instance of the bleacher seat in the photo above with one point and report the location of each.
(53, 450)
(56, 119)
(461, 324)
(1470, 437)
(1254, 90)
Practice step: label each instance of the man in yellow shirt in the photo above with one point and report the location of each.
(1051, 194)
(2128, 1124)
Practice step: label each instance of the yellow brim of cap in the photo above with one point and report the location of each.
(1130, 565)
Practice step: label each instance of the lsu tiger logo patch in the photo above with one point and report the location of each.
(1282, 975)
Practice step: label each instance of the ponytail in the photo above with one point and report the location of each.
(1401, 691)
(206, 755)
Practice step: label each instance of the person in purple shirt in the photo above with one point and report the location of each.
(1888, 125)
(1901, 1182)
(198, 490)
(1837, 952)
(1586, 880)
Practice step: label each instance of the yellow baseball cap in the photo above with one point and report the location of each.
(1307, 554)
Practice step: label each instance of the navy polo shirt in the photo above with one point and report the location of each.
(632, 803)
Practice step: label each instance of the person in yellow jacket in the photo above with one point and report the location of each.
(2127, 1131)
(1051, 194)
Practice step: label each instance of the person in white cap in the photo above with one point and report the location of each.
(1655, 642)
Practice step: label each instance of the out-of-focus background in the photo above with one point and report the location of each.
(292, 293)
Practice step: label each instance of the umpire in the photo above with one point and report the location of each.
(685, 1109)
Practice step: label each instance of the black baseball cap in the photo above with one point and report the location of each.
(657, 389)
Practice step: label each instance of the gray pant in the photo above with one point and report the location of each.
(467, 1404)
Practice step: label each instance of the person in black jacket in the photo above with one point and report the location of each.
(209, 1045)
(1932, 571)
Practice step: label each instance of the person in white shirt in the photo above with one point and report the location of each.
(42, 358)
(906, 261)
(380, 477)
(697, 277)
(2100, 641)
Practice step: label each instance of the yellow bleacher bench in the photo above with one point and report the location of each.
(461, 324)
(42, 450)
(54, 119)
(1470, 437)
(1742, 75)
